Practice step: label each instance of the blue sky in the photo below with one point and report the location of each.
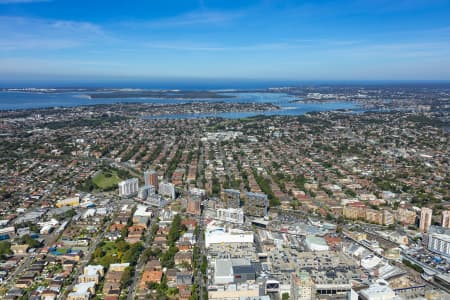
(228, 39)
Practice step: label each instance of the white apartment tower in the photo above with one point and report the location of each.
(167, 189)
(446, 219)
(128, 187)
(425, 219)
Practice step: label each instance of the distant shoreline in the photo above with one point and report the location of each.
(181, 95)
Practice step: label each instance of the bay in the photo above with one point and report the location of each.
(27, 100)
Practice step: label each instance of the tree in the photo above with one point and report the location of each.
(124, 232)
(122, 246)
(167, 259)
(151, 252)
(187, 266)
(125, 280)
(154, 229)
(329, 217)
(27, 239)
(215, 186)
(98, 253)
(133, 253)
(264, 184)
(5, 248)
(417, 268)
(204, 265)
(175, 231)
(108, 259)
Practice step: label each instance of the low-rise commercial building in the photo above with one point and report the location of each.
(220, 235)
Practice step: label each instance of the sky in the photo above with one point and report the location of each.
(224, 39)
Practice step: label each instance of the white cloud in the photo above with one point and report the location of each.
(27, 65)
(20, 33)
(398, 50)
(32, 43)
(199, 46)
(192, 18)
(76, 26)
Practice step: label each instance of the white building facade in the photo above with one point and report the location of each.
(128, 187)
(439, 243)
(167, 189)
(231, 215)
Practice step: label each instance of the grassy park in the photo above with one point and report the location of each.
(106, 180)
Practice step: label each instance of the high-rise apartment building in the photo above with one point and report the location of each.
(446, 219)
(425, 219)
(167, 189)
(231, 198)
(388, 218)
(145, 191)
(256, 204)
(128, 187)
(151, 178)
(439, 243)
(194, 206)
(405, 216)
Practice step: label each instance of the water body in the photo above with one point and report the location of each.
(22, 100)
(26, 100)
(284, 101)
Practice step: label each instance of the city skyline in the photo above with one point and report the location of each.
(214, 40)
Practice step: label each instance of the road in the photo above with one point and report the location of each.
(88, 255)
(200, 169)
(141, 262)
(49, 240)
(86, 258)
(198, 276)
(225, 162)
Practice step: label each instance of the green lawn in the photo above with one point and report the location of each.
(110, 247)
(106, 179)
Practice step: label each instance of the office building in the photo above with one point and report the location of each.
(128, 187)
(425, 219)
